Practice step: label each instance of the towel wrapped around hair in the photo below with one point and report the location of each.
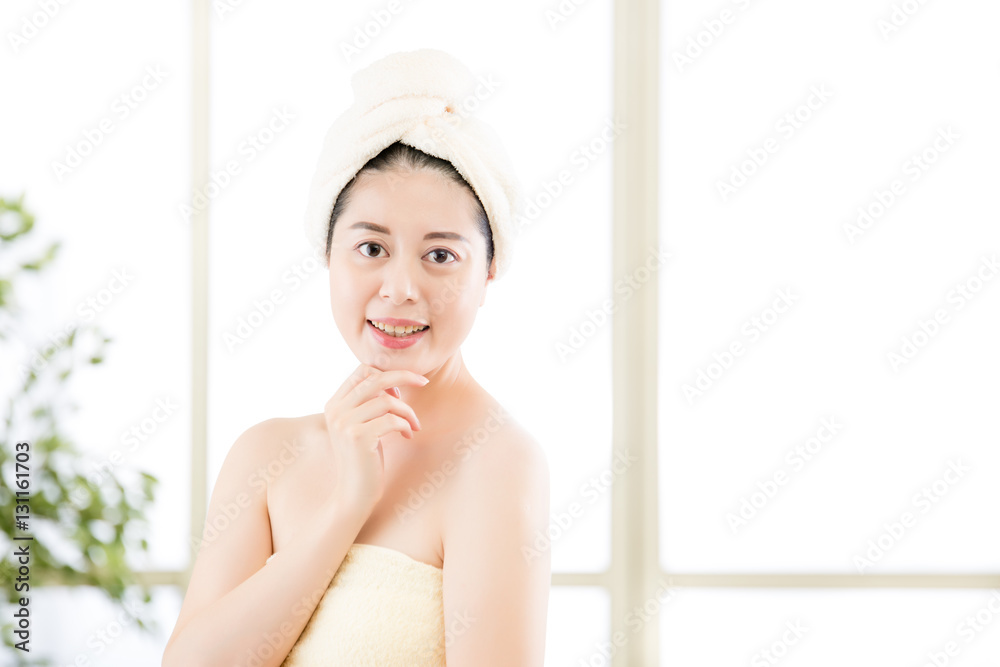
(425, 99)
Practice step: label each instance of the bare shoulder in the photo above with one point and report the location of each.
(236, 537)
(269, 451)
(265, 439)
(259, 455)
(500, 456)
(284, 443)
(274, 432)
(257, 439)
(492, 570)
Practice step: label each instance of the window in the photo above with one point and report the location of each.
(826, 444)
(753, 293)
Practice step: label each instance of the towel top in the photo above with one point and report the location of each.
(425, 99)
(381, 608)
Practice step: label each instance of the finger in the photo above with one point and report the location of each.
(388, 423)
(382, 404)
(357, 376)
(378, 382)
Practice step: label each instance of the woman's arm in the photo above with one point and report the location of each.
(496, 576)
(235, 607)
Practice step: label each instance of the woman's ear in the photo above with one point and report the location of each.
(489, 279)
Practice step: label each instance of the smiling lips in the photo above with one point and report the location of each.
(396, 329)
(396, 334)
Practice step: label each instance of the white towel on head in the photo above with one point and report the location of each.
(420, 98)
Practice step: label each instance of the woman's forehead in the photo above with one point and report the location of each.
(419, 202)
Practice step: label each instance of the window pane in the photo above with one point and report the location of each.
(527, 351)
(823, 627)
(98, 139)
(578, 625)
(830, 317)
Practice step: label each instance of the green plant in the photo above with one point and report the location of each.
(98, 518)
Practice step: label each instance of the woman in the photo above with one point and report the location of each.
(402, 526)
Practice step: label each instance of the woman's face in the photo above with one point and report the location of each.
(407, 247)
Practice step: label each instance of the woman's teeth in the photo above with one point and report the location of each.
(396, 331)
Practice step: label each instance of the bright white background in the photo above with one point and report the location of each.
(827, 355)
(782, 229)
(854, 297)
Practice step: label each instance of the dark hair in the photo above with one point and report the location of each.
(400, 155)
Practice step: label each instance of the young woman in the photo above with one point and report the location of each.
(401, 526)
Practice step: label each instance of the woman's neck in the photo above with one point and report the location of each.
(449, 384)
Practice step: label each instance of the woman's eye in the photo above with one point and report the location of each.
(367, 253)
(438, 253)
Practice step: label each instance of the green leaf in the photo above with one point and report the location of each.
(63, 504)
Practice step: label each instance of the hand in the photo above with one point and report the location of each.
(365, 408)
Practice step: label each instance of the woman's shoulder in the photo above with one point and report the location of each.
(502, 480)
(277, 441)
(497, 446)
(279, 432)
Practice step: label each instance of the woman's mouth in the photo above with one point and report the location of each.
(396, 336)
(396, 331)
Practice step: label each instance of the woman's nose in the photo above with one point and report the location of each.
(398, 282)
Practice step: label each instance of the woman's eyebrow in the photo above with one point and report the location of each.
(446, 235)
(371, 226)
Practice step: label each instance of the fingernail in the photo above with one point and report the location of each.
(425, 379)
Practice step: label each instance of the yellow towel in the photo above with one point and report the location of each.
(381, 608)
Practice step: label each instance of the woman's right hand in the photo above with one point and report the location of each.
(365, 408)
